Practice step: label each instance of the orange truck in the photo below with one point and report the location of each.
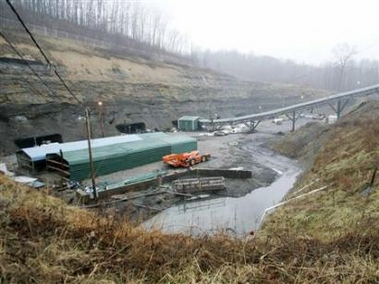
(185, 160)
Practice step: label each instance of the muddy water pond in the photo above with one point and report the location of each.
(236, 216)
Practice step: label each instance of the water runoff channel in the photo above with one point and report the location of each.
(234, 216)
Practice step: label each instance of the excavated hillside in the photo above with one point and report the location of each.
(132, 90)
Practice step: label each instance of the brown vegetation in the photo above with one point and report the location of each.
(45, 241)
(345, 164)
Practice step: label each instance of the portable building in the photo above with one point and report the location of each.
(188, 123)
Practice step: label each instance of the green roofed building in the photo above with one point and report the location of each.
(74, 164)
(180, 144)
(188, 123)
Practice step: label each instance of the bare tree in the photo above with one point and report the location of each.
(343, 54)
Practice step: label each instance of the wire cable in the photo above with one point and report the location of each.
(32, 88)
(27, 30)
(41, 51)
(27, 63)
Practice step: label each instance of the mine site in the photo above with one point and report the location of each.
(188, 142)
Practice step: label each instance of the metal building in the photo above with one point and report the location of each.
(188, 123)
(112, 155)
(74, 165)
(34, 158)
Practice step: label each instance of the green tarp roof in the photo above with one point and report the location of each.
(113, 158)
(112, 151)
(189, 118)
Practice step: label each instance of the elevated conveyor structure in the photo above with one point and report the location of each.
(337, 102)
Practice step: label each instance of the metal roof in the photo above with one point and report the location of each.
(190, 118)
(150, 141)
(39, 153)
(177, 139)
(112, 151)
(152, 135)
(180, 144)
(112, 158)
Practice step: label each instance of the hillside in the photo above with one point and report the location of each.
(331, 236)
(132, 89)
(346, 157)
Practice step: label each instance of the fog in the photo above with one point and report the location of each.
(304, 31)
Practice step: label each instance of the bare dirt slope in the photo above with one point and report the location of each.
(132, 90)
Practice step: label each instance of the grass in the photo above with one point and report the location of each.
(345, 163)
(45, 241)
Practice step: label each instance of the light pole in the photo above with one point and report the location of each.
(101, 117)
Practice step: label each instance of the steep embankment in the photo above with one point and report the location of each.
(345, 162)
(132, 90)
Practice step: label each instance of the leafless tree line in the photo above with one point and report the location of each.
(341, 73)
(132, 19)
(139, 25)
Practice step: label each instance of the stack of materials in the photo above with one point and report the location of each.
(194, 185)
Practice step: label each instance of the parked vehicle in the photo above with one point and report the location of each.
(185, 160)
(220, 133)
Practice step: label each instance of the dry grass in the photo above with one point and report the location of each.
(345, 163)
(45, 241)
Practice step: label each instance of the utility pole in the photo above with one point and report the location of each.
(88, 127)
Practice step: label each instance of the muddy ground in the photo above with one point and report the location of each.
(231, 151)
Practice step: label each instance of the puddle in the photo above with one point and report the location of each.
(237, 216)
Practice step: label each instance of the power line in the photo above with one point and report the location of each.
(27, 63)
(32, 88)
(41, 51)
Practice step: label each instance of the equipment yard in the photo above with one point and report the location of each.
(140, 192)
(227, 152)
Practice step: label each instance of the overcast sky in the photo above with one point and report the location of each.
(302, 30)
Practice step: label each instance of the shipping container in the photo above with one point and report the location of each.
(188, 123)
